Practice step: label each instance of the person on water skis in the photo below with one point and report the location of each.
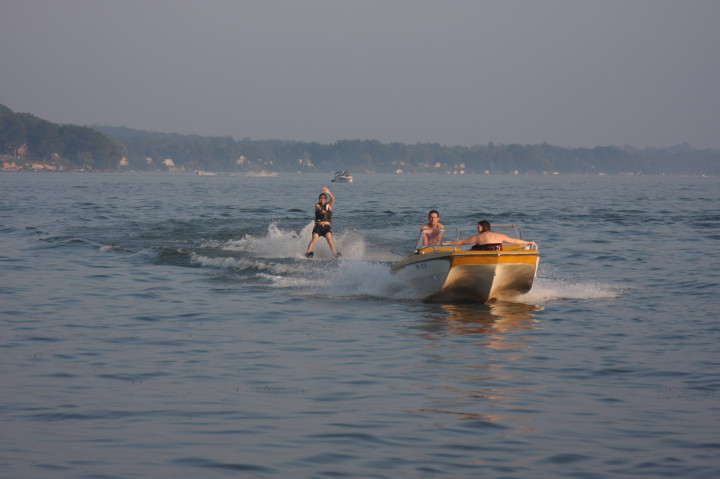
(323, 218)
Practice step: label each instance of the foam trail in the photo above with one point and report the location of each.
(242, 264)
(553, 289)
(369, 279)
(277, 243)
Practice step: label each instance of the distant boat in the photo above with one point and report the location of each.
(342, 177)
(204, 173)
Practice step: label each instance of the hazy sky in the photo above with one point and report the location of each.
(567, 72)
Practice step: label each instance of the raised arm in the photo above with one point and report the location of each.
(332, 198)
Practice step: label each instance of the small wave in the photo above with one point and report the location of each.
(109, 248)
(244, 264)
(63, 241)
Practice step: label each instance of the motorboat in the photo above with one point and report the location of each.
(458, 273)
(342, 177)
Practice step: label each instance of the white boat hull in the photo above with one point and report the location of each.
(342, 177)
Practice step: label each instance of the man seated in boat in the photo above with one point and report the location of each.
(432, 232)
(488, 240)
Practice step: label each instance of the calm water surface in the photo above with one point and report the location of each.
(169, 326)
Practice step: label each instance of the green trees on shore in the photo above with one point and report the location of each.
(69, 146)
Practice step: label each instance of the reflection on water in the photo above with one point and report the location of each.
(487, 319)
(481, 375)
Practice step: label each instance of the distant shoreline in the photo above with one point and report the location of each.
(289, 173)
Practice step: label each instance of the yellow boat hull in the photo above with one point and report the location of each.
(450, 274)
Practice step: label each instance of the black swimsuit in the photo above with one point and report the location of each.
(487, 247)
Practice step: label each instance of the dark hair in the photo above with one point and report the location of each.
(433, 211)
(321, 195)
(485, 225)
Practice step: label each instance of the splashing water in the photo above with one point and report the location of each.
(552, 289)
(278, 259)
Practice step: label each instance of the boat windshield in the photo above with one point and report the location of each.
(434, 237)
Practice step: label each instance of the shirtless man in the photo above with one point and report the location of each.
(488, 239)
(432, 232)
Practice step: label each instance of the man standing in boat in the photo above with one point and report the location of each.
(432, 232)
(323, 217)
(488, 240)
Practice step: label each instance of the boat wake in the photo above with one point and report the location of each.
(276, 259)
(545, 290)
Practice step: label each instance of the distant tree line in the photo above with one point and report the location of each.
(69, 146)
(121, 148)
(370, 156)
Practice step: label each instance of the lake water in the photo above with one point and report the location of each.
(168, 325)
